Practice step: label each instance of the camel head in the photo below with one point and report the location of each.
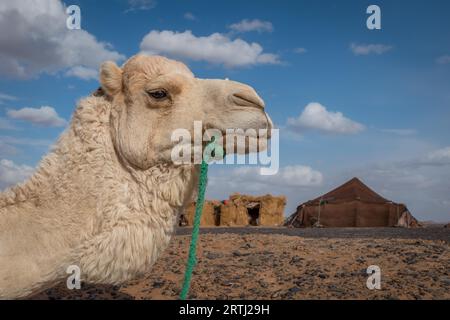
(152, 96)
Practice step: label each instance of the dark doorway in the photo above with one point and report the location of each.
(253, 215)
(217, 215)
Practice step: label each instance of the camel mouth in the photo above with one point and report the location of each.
(262, 133)
(259, 132)
(247, 99)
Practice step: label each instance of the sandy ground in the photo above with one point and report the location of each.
(280, 264)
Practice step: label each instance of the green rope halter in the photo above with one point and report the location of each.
(211, 148)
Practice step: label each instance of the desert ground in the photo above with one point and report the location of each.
(281, 263)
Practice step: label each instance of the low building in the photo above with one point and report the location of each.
(239, 210)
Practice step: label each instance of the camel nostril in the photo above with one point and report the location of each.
(247, 99)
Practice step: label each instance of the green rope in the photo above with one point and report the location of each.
(192, 259)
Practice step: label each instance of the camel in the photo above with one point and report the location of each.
(107, 196)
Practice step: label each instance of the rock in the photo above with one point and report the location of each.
(240, 254)
(294, 289)
(275, 295)
(360, 260)
(254, 261)
(247, 246)
(158, 283)
(445, 280)
(213, 255)
(296, 259)
(410, 260)
(227, 283)
(333, 287)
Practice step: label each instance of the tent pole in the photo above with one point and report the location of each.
(318, 217)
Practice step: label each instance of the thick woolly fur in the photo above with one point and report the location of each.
(82, 207)
(97, 200)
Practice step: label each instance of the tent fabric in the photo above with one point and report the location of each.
(352, 204)
(353, 189)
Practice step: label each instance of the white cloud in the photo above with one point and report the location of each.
(422, 183)
(438, 157)
(6, 97)
(365, 49)
(83, 73)
(249, 179)
(43, 116)
(434, 158)
(316, 117)
(141, 5)
(38, 41)
(215, 48)
(189, 16)
(300, 50)
(299, 176)
(11, 173)
(247, 25)
(291, 176)
(445, 59)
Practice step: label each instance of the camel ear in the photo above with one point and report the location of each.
(111, 78)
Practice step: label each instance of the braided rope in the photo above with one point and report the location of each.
(192, 258)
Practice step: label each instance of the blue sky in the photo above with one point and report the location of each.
(368, 103)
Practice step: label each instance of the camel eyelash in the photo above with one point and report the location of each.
(158, 94)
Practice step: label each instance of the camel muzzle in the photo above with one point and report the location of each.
(247, 99)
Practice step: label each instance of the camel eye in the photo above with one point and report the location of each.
(158, 94)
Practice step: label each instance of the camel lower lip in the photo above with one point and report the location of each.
(248, 105)
(240, 135)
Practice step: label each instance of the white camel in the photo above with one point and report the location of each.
(107, 197)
